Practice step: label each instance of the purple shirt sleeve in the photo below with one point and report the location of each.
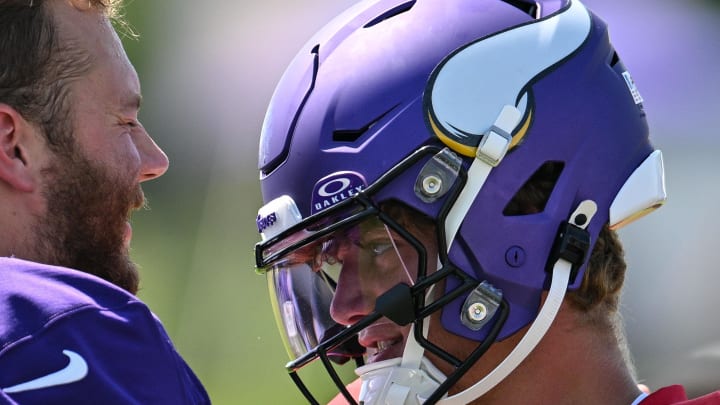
(66, 337)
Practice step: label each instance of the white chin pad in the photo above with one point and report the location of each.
(387, 382)
(643, 192)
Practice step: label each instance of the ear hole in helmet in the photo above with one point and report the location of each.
(530, 8)
(391, 13)
(535, 193)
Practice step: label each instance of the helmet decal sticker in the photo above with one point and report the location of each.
(335, 188)
(468, 89)
(277, 216)
(264, 222)
(632, 87)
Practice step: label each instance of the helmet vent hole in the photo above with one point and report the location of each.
(615, 59)
(348, 135)
(391, 13)
(535, 193)
(530, 8)
(352, 135)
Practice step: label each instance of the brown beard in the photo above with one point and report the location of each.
(87, 210)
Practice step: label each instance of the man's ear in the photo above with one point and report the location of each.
(15, 138)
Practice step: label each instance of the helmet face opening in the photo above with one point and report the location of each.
(360, 246)
(364, 258)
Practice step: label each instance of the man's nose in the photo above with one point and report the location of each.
(153, 161)
(351, 301)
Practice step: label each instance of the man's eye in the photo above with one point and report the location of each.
(379, 248)
(128, 122)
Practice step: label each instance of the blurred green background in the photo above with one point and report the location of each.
(208, 70)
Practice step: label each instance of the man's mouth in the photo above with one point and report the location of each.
(137, 202)
(383, 340)
(127, 235)
(138, 199)
(384, 350)
(385, 344)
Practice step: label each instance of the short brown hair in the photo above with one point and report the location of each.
(37, 68)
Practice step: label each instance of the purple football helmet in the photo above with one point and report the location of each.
(446, 108)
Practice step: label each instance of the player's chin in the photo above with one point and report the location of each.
(128, 277)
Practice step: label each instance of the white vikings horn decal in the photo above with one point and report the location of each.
(468, 90)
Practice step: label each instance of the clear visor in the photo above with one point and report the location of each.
(322, 286)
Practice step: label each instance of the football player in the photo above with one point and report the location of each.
(442, 184)
(72, 157)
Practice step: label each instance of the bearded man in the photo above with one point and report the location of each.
(72, 157)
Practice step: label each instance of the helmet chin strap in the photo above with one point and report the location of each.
(558, 287)
(489, 154)
(560, 278)
(413, 378)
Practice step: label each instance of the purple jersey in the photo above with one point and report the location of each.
(70, 337)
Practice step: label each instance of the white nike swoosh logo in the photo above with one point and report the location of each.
(76, 370)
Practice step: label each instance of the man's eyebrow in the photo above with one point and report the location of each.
(134, 101)
(377, 231)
